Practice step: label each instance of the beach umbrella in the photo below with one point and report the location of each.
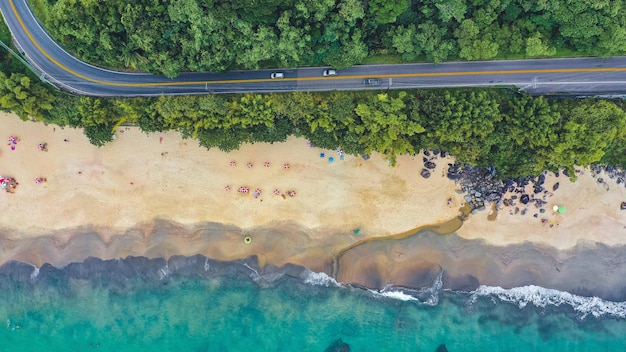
(331, 159)
(561, 209)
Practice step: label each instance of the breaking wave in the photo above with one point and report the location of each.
(545, 297)
(318, 279)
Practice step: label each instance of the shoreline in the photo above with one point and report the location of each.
(418, 265)
(412, 261)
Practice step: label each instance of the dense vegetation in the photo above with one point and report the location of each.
(170, 36)
(516, 133)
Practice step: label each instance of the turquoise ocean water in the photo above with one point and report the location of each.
(242, 310)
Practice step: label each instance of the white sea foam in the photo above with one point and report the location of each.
(34, 274)
(543, 297)
(164, 272)
(251, 269)
(206, 264)
(268, 278)
(433, 291)
(399, 295)
(318, 279)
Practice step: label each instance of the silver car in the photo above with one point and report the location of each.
(329, 72)
(277, 75)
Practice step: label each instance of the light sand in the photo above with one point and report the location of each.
(137, 178)
(592, 214)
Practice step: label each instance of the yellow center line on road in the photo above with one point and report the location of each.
(394, 75)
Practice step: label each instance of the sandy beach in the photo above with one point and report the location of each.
(138, 178)
(107, 202)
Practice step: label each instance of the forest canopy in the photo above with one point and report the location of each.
(516, 133)
(172, 36)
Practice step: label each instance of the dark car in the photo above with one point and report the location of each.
(372, 82)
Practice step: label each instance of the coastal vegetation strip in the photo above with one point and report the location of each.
(170, 37)
(517, 134)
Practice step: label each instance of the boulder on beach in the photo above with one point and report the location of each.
(555, 187)
(453, 172)
(425, 173)
(623, 206)
(430, 165)
(524, 199)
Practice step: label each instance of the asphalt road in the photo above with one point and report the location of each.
(582, 76)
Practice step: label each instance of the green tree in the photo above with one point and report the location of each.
(25, 98)
(586, 133)
(528, 129)
(460, 122)
(385, 126)
(386, 11)
(451, 9)
(535, 47)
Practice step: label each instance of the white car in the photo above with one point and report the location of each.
(277, 75)
(329, 72)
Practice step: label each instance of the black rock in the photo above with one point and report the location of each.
(441, 348)
(453, 176)
(425, 173)
(565, 172)
(453, 172)
(524, 211)
(436, 151)
(427, 153)
(430, 165)
(535, 215)
(542, 211)
(541, 179)
(513, 197)
(338, 346)
(524, 199)
(556, 174)
(555, 187)
(623, 206)
(443, 154)
(425, 159)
